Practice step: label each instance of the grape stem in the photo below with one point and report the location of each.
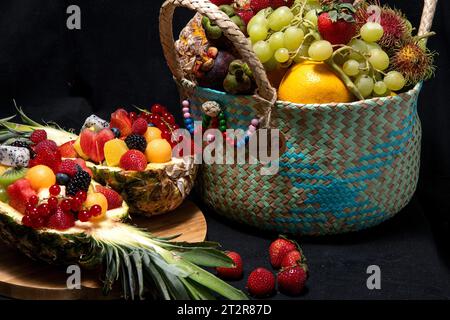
(347, 81)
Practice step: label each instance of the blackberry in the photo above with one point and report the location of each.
(24, 144)
(136, 142)
(80, 181)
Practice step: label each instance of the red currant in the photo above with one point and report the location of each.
(84, 215)
(38, 222)
(55, 190)
(82, 195)
(133, 116)
(43, 210)
(157, 109)
(27, 221)
(76, 203)
(33, 200)
(33, 212)
(28, 208)
(95, 210)
(53, 202)
(65, 205)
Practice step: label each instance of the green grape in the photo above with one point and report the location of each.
(371, 32)
(257, 32)
(359, 46)
(311, 16)
(280, 18)
(365, 85)
(276, 40)
(320, 50)
(3, 195)
(282, 55)
(379, 59)
(380, 88)
(351, 67)
(262, 51)
(394, 80)
(372, 45)
(293, 38)
(303, 52)
(257, 19)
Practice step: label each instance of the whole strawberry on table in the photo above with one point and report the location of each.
(65, 199)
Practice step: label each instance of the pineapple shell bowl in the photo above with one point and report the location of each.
(160, 188)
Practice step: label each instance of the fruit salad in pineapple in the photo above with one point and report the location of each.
(63, 200)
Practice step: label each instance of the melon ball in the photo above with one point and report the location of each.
(158, 151)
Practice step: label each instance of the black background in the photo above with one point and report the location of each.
(116, 60)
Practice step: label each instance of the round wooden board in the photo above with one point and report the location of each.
(22, 278)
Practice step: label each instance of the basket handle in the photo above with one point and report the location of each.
(231, 31)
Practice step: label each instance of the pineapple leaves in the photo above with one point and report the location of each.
(208, 258)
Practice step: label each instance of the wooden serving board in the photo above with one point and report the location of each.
(22, 278)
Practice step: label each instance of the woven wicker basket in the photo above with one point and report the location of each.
(347, 166)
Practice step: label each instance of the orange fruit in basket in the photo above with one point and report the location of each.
(313, 82)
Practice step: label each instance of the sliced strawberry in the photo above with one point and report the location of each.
(67, 150)
(114, 199)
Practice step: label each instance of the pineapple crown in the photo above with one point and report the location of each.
(338, 10)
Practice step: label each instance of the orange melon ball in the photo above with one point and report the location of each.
(40, 177)
(99, 199)
(152, 133)
(158, 151)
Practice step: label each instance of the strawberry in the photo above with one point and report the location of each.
(292, 280)
(19, 193)
(246, 15)
(261, 283)
(258, 5)
(67, 150)
(121, 121)
(221, 2)
(114, 199)
(233, 273)
(292, 258)
(38, 136)
(278, 249)
(61, 220)
(133, 160)
(69, 167)
(280, 3)
(336, 23)
(139, 126)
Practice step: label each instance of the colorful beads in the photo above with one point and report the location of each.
(188, 122)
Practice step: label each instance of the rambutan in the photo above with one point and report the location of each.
(413, 61)
(396, 28)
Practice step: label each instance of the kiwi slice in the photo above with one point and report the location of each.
(11, 175)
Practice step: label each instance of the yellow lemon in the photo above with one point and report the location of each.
(313, 82)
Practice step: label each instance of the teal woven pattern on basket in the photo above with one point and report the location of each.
(346, 167)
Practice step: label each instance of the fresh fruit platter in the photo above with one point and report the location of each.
(65, 199)
(313, 51)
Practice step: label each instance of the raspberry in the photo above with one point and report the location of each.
(48, 157)
(133, 160)
(136, 142)
(61, 220)
(68, 167)
(139, 126)
(46, 145)
(38, 136)
(114, 199)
